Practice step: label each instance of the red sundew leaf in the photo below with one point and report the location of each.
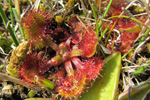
(29, 68)
(57, 75)
(84, 36)
(126, 41)
(38, 26)
(129, 32)
(77, 38)
(89, 42)
(33, 66)
(125, 47)
(126, 23)
(130, 26)
(115, 13)
(116, 5)
(43, 66)
(71, 86)
(130, 37)
(76, 25)
(33, 25)
(91, 67)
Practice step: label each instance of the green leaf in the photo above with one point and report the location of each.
(136, 92)
(105, 87)
(45, 82)
(48, 83)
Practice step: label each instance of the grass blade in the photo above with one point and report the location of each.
(10, 30)
(136, 20)
(109, 4)
(95, 17)
(18, 20)
(11, 13)
(106, 29)
(126, 53)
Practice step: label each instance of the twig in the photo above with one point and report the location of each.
(138, 48)
(83, 7)
(135, 66)
(5, 77)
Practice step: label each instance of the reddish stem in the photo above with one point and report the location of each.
(69, 68)
(78, 63)
(50, 43)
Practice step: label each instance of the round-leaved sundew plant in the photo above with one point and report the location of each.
(77, 59)
(75, 63)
